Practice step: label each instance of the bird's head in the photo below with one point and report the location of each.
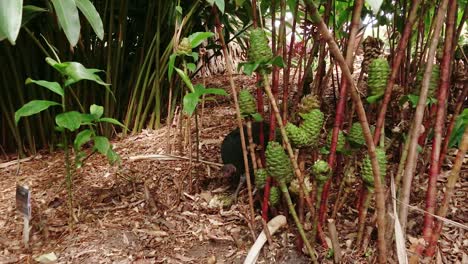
(228, 170)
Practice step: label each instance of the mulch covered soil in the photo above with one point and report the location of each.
(145, 212)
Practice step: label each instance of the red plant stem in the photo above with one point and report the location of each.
(452, 180)
(434, 168)
(427, 124)
(458, 108)
(379, 193)
(261, 134)
(400, 52)
(254, 13)
(418, 118)
(340, 108)
(288, 67)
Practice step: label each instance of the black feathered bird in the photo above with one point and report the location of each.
(231, 153)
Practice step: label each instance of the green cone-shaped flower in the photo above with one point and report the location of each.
(356, 136)
(313, 122)
(259, 50)
(247, 103)
(278, 163)
(260, 178)
(298, 136)
(321, 171)
(294, 185)
(340, 144)
(308, 103)
(366, 171)
(275, 195)
(433, 83)
(378, 76)
(185, 47)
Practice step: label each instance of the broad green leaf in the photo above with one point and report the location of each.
(220, 5)
(11, 13)
(112, 156)
(185, 78)
(81, 138)
(75, 72)
(69, 20)
(96, 110)
(170, 68)
(198, 37)
(216, 91)
(179, 10)
(277, 61)
(191, 67)
(195, 56)
(30, 12)
(69, 120)
(374, 98)
(257, 117)
(52, 86)
(459, 129)
(249, 67)
(101, 144)
(88, 119)
(89, 11)
(33, 108)
(190, 102)
(112, 121)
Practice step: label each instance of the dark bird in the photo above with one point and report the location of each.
(231, 153)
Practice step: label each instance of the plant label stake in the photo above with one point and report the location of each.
(23, 205)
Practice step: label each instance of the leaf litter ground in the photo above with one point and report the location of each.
(144, 212)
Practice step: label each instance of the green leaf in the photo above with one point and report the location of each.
(185, 78)
(75, 72)
(374, 98)
(69, 120)
(11, 12)
(101, 144)
(459, 129)
(220, 5)
(191, 67)
(33, 108)
(195, 56)
(81, 138)
(170, 68)
(89, 11)
(112, 156)
(198, 37)
(112, 121)
(277, 61)
(96, 110)
(87, 119)
(215, 91)
(257, 117)
(179, 10)
(69, 20)
(249, 67)
(30, 12)
(190, 102)
(52, 86)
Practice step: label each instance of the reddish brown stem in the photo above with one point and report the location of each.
(400, 52)
(380, 197)
(452, 180)
(434, 168)
(340, 108)
(418, 118)
(460, 101)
